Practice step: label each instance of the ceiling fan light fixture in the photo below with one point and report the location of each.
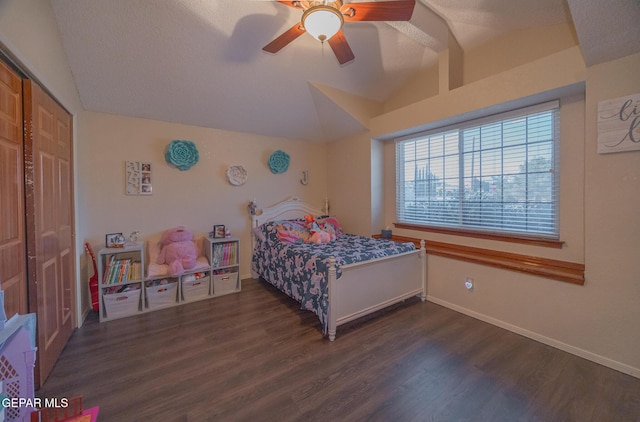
(322, 22)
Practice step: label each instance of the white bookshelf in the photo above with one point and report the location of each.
(125, 289)
(224, 256)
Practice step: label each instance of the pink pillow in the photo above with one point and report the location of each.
(292, 231)
(330, 224)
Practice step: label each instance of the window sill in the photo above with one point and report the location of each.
(480, 235)
(569, 272)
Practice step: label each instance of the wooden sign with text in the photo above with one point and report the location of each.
(619, 124)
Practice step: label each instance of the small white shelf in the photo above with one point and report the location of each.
(122, 295)
(224, 256)
(120, 277)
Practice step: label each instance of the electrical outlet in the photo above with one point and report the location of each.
(468, 283)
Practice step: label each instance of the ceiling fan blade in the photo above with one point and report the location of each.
(341, 48)
(279, 43)
(295, 4)
(400, 10)
(300, 4)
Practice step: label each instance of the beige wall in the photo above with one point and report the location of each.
(506, 52)
(599, 320)
(349, 183)
(517, 48)
(29, 30)
(197, 198)
(421, 86)
(612, 226)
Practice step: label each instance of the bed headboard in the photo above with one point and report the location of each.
(286, 210)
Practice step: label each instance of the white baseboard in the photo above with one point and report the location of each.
(610, 363)
(83, 316)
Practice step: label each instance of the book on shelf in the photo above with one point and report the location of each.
(225, 254)
(122, 271)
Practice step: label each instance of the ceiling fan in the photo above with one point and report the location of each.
(323, 20)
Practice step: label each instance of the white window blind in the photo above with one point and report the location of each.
(497, 174)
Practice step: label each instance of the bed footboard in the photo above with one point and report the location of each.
(369, 286)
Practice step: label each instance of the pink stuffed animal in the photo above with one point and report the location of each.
(178, 250)
(328, 228)
(317, 235)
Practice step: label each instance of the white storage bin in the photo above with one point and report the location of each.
(161, 295)
(195, 289)
(225, 283)
(122, 304)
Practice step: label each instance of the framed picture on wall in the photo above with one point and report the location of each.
(218, 231)
(138, 177)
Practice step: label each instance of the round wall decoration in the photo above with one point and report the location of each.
(279, 162)
(182, 154)
(236, 175)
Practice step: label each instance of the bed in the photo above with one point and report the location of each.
(348, 278)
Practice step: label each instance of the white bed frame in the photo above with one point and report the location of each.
(364, 287)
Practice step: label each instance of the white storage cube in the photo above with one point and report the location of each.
(122, 304)
(225, 283)
(224, 255)
(195, 289)
(162, 295)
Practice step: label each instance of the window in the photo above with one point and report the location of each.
(497, 175)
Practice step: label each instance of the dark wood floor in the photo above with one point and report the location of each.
(254, 356)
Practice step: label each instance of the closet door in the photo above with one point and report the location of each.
(49, 214)
(13, 276)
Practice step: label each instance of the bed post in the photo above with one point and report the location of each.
(254, 224)
(252, 208)
(331, 317)
(423, 269)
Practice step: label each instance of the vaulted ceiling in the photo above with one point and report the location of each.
(200, 62)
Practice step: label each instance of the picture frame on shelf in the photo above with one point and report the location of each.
(114, 240)
(219, 231)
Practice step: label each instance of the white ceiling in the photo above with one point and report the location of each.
(199, 62)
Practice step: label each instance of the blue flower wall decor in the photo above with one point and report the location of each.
(182, 154)
(279, 162)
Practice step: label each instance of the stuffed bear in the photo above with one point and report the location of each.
(178, 250)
